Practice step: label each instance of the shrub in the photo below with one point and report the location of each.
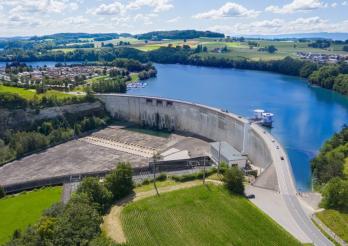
(2, 192)
(161, 177)
(233, 179)
(120, 181)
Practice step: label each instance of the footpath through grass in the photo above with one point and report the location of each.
(200, 216)
(336, 221)
(19, 211)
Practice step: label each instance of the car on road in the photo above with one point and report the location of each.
(252, 196)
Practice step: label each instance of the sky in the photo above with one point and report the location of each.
(38, 17)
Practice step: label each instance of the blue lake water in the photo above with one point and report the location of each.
(304, 116)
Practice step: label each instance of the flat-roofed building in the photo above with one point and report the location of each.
(222, 151)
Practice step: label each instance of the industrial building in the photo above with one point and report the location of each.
(222, 151)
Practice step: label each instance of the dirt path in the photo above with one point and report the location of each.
(112, 225)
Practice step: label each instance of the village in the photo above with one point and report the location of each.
(322, 58)
(58, 76)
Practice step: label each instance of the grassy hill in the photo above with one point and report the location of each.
(19, 211)
(200, 216)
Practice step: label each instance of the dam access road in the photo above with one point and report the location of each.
(251, 139)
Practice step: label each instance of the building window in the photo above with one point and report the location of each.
(149, 101)
(169, 103)
(159, 102)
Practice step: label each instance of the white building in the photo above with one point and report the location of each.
(222, 151)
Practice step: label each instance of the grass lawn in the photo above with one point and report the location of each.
(200, 216)
(17, 212)
(29, 94)
(336, 221)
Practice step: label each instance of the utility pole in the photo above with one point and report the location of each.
(204, 170)
(155, 156)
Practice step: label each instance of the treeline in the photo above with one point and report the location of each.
(16, 144)
(110, 85)
(14, 101)
(184, 34)
(78, 222)
(328, 170)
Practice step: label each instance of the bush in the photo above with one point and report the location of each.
(12, 101)
(2, 192)
(193, 176)
(233, 179)
(335, 195)
(161, 177)
(26, 142)
(120, 181)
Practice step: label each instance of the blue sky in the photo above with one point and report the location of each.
(28, 17)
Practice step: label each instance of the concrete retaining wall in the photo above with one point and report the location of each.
(192, 118)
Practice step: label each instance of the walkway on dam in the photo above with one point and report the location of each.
(288, 191)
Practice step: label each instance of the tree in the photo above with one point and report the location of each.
(2, 192)
(96, 192)
(79, 223)
(233, 179)
(120, 181)
(271, 49)
(335, 194)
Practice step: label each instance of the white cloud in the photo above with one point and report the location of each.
(157, 5)
(174, 20)
(229, 9)
(280, 26)
(76, 20)
(344, 3)
(297, 5)
(115, 8)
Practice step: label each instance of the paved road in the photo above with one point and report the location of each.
(288, 190)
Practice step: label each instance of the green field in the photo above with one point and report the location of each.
(200, 216)
(30, 94)
(336, 221)
(239, 50)
(19, 211)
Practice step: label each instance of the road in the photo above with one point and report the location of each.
(288, 190)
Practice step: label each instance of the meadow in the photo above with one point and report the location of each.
(336, 221)
(203, 215)
(29, 94)
(19, 211)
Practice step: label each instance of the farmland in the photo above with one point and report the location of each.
(200, 216)
(19, 211)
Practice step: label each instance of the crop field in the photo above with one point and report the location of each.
(19, 211)
(203, 215)
(336, 221)
(30, 94)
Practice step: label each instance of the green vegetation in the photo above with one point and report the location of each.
(16, 144)
(204, 215)
(331, 159)
(19, 211)
(336, 221)
(19, 98)
(234, 178)
(78, 223)
(185, 34)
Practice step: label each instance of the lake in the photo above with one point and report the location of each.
(43, 63)
(305, 116)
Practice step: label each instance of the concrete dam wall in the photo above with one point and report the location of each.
(192, 118)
